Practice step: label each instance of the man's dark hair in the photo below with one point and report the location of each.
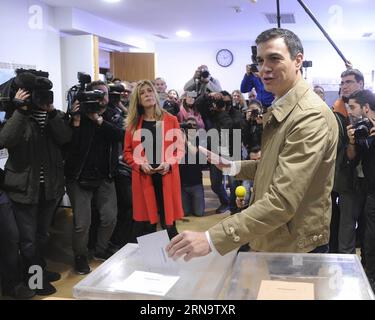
(358, 75)
(95, 84)
(255, 149)
(225, 93)
(291, 40)
(319, 87)
(255, 101)
(364, 96)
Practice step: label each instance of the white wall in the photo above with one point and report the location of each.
(104, 59)
(29, 38)
(327, 65)
(176, 62)
(76, 55)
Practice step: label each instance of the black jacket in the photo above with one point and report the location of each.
(84, 139)
(346, 179)
(28, 149)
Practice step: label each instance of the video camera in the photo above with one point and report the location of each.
(88, 100)
(115, 91)
(33, 81)
(362, 129)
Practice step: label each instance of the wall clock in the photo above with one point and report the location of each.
(224, 57)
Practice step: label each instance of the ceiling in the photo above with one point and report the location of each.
(232, 20)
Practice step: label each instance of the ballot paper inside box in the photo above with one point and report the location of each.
(257, 275)
(201, 278)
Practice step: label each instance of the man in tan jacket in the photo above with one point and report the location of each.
(291, 206)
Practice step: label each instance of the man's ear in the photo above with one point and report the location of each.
(366, 108)
(299, 60)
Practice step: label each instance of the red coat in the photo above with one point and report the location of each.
(144, 199)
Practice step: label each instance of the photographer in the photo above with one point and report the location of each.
(362, 148)
(349, 188)
(192, 190)
(172, 103)
(188, 109)
(252, 80)
(202, 82)
(212, 107)
(92, 159)
(238, 123)
(252, 133)
(34, 181)
(122, 233)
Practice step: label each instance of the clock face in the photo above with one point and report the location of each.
(224, 57)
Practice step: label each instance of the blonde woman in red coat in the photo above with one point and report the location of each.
(153, 148)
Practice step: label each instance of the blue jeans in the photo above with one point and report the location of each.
(217, 184)
(193, 199)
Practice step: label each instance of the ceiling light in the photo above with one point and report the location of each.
(111, 1)
(183, 33)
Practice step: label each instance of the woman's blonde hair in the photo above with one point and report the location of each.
(136, 109)
(242, 99)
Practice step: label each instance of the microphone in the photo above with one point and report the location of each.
(240, 192)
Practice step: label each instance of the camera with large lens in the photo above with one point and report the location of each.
(114, 94)
(205, 74)
(362, 129)
(35, 82)
(88, 99)
(254, 113)
(213, 103)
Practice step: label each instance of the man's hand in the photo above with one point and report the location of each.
(372, 132)
(215, 159)
(22, 95)
(188, 243)
(76, 117)
(216, 95)
(248, 69)
(348, 65)
(240, 202)
(163, 168)
(350, 131)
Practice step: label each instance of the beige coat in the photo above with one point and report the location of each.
(291, 204)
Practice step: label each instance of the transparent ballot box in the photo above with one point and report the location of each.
(200, 278)
(327, 276)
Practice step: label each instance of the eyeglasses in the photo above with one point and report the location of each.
(347, 82)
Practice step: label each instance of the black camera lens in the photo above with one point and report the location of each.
(254, 113)
(205, 74)
(362, 129)
(362, 132)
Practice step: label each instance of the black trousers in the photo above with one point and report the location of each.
(335, 222)
(124, 226)
(369, 236)
(33, 221)
(10, 268)
(142, 228)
